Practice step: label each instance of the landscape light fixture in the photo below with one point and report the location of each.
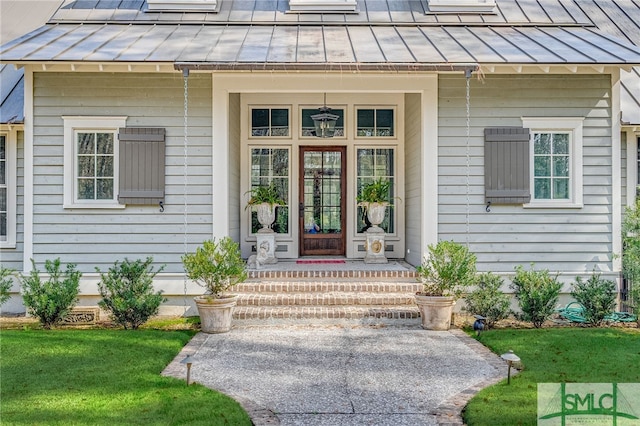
(325, 122)
(510, 357)
(188, 360)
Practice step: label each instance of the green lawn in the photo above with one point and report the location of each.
(102, 377)
(553, 355)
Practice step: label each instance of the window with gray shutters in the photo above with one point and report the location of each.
(142, 164)
(506, 162)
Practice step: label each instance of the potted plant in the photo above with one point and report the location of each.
(217, 266)
(447, 270)
(374, 197)
(265, 199)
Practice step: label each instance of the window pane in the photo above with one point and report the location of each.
(260, 122)
(365, 122)
(86, 166)
(542, 143)
(279, 122)
(271, 166)
(308, 126)
(373, 164)
(384, 122)
(542, 166)
(561, 189)
(3, 172)
(105, 143)
(561, 166)
(542, 189)
(3, 148)
(3, 225)
(104, 189)
(365, 162)
(86, 189)
(561, 143)
(3, 199)
(281, 162)
(104, 167)
(86, 143)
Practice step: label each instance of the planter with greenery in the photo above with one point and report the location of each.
(374, 197)
(446, 272)
(265, 199)
(217, 266)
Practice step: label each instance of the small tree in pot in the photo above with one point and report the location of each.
(217, 266)
(446, 272)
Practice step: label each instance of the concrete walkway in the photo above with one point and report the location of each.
(343, 375)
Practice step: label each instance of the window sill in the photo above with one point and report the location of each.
(548, 205)
(7, 245)
(110, 206)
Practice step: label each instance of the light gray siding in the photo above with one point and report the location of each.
(98, 237)
(234, 166)
(413, 167)
(12, 258)
(567, 240)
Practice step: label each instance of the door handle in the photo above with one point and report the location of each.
(301, 210)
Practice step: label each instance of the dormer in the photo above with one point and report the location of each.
(182, 5)
(323, 6)
(462, 6)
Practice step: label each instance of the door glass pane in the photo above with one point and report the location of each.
(323, 189)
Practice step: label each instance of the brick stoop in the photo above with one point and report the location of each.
(327, 295)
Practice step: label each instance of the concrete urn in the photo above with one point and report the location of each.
(215, 313)
(435, 311)
(266, 216)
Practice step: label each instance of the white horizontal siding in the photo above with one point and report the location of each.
(99, 237)
(566, 240)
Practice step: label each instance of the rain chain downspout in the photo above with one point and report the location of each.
(185, 75)
(467, 73)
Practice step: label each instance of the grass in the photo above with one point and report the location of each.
(553, 355)
(102, 377)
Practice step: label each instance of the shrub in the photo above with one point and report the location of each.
(537, 293)
(597, 296)
(127, 292)
(487, 299)
(5, 284)
(50, 301)
(631, 251)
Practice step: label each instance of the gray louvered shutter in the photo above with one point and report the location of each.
(142, 161)
(506, 165)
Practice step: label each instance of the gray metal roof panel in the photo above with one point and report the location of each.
(370, 44)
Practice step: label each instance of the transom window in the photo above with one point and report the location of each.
(308, 126)
(373, 164)
(270, 122)
(271, 165)
(555, 161)
(375, 122)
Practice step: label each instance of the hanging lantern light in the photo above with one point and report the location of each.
(325, 122)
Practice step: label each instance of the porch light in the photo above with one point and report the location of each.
(510, 357)
(325, 122)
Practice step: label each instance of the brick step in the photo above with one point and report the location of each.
(333, 274)
(334, 298)
(261, 287)
(324, 312)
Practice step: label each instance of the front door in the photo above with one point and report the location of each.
(322, 200)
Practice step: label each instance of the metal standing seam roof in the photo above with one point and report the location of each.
(388, 47)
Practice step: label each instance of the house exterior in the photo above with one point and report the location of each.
(510, 126)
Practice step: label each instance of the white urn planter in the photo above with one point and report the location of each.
(216, 314)
(435, 311)
(376, 213)
(266, 216)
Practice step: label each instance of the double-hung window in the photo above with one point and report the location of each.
(91, 162)
(7, 192)
(555, 161)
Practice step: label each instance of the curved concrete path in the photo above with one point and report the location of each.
(343, 375)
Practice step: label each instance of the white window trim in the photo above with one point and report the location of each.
(71, 126)
(329, 6)
(183, 5)
(572, 125)
(462, 6)
(270, 107)
(11, 152)
(375, 108)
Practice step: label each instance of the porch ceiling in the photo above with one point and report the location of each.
(291, 47)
